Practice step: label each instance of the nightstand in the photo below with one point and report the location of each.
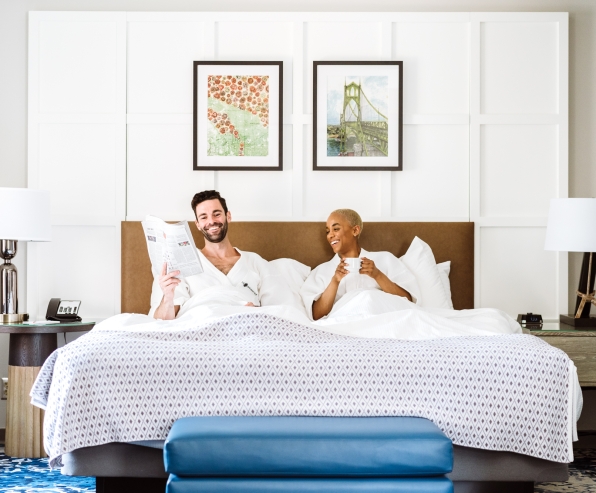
(580, 346)
(30, 344)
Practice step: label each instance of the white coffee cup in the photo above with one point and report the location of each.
(353, 265)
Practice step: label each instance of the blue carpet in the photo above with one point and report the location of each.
(34, 475)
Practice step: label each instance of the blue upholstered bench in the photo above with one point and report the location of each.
(307, 454)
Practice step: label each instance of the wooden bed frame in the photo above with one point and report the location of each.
(124, 467)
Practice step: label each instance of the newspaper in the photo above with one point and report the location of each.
(172, 244)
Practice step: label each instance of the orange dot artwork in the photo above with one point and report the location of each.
(248, 94)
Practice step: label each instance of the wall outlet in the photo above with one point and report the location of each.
(4, 389)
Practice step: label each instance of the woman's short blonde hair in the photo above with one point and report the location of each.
(352, 217)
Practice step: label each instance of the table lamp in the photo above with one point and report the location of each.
(572, 228)
(25, 216)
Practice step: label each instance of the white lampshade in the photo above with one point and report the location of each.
(25, 214)
(571, 225)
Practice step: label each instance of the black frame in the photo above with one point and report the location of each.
(195, 165)
(399, 166)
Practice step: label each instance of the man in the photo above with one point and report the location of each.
(230, 277)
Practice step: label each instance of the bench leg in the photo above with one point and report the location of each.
(130, 485)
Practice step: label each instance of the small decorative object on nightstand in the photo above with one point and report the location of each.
(25, 217)
(29, 346)
(572, 228)
(531, 321)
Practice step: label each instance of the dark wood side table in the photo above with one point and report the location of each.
(580, 346)
(29, 346)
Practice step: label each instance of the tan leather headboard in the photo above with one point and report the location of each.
(306, 242)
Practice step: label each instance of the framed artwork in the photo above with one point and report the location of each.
(357, 116)
(237, 115)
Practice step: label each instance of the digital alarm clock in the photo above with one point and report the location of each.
(530, 320)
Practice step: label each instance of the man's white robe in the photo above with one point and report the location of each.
(386, 262)
(250, 280)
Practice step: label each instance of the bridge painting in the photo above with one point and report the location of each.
(357, 125)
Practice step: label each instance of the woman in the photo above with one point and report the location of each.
(331, 281)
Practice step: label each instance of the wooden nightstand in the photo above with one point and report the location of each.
(580, 346)
(29, 346)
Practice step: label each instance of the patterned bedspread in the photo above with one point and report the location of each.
(509, 392)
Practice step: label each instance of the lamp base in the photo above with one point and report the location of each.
(588, 323)
(14, 318)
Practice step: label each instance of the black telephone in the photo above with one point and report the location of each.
(63, 310)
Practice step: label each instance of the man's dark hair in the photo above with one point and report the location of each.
(207, 195)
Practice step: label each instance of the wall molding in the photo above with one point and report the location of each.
(387, 196)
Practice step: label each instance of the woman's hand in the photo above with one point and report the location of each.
(368, 268)
(322, 306)
(340, 271)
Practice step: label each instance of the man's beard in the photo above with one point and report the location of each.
(219, 237)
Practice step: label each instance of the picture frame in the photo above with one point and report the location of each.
(237, 115)
(358, 115)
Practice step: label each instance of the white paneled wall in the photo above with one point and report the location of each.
(518, 166)
(518, 157)
(77, 150)
(437, 58)
(436, 174)
(485, 135)
(519, 66)
(436, 55)
(516, 272)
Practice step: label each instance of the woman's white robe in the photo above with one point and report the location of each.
(386, 262)
(362, 309)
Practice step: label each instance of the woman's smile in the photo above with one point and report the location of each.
(340, 235)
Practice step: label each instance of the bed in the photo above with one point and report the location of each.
(122, 466)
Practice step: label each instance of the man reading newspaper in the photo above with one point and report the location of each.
(229, 277)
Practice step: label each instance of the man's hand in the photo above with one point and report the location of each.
(368, 268)
(168, 283)
(340, 272)
(249, 304)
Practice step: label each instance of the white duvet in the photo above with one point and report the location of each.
(367, 313)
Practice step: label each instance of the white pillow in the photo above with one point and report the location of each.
(444, 269)
(293, 271)
(294, 274)
(419, 259)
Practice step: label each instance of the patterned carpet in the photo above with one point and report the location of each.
(34, 475)
(582, 475)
